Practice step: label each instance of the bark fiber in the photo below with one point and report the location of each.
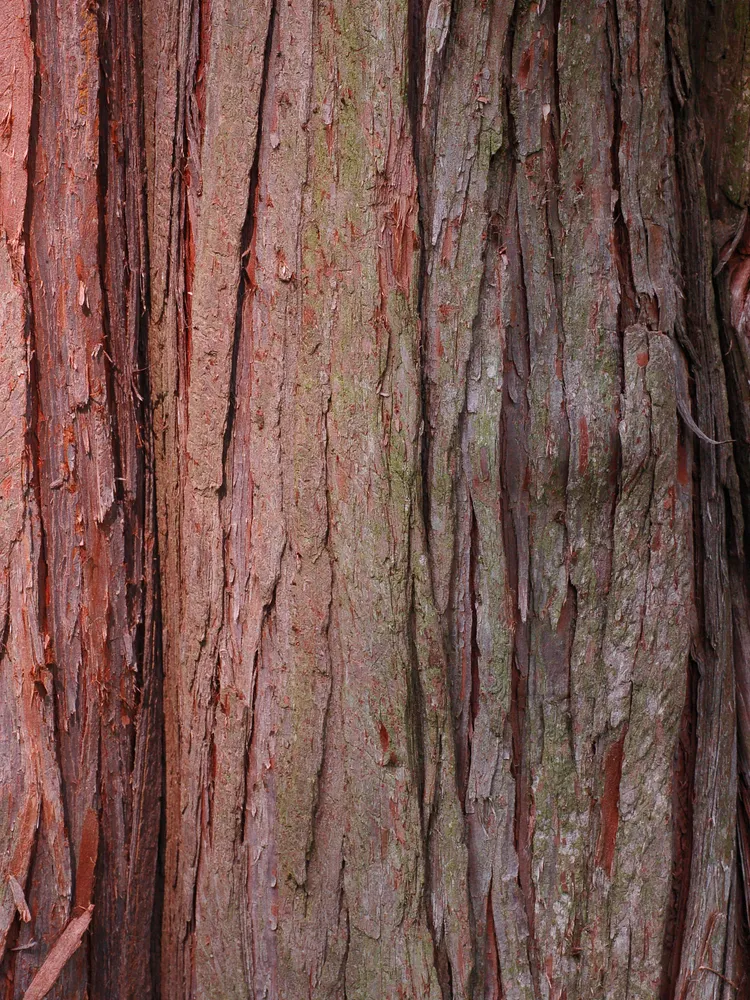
(373, 624)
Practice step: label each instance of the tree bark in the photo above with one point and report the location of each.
(80, 709)
(373, 621)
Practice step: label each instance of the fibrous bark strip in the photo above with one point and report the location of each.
(348, 507)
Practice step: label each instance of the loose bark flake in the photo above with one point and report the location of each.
(65, 946)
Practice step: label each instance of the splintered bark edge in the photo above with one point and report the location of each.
(61, 951)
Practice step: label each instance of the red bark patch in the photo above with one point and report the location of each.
(16, 64)
(384, 738)
(610, 805)
(525, 68)
(309, 317)
(87, 862)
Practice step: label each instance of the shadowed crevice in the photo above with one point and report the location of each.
(246, 282)
(682, 835)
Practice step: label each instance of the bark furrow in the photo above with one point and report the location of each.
(373, 622)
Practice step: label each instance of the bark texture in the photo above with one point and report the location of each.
(389, 321)
(81, 760)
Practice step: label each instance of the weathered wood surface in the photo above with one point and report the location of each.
(367, 312)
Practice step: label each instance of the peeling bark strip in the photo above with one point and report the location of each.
(19, 899)
(65, 946)
(415, 339)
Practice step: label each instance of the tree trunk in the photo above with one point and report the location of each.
(374, 609)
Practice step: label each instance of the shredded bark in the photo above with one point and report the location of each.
(68, 942)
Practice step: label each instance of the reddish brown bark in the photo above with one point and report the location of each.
(81, 722)
(373, 620)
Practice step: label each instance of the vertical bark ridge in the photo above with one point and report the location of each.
(287, 577)
(642, 272)
(709, 915)
(502, 626)
(123, 264)
(248, 228)
(608, 703)
(719, 53)
(81, 663)
(38, 848)
(30, 718)
(542, 578)
(211, 84)
(463, 126)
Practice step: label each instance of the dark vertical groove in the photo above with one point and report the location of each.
(141, 385)
(134, 17)
(415, 694)
(34, 451)
(682, 836)
(246, 242)
(248, 723)
(738, 539)
(415, 711)
(711, 469)
(703, 20)
(415, 717)
(627, 309)
(102, 190)
(156, 642)
(492, 955)
(415, 55)
(151, 686)
(514, 509)
(743, 917)
(416, 16)
(514, 504)
(737, 497)
(415, 706)
(475, 682)
(626, 306)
